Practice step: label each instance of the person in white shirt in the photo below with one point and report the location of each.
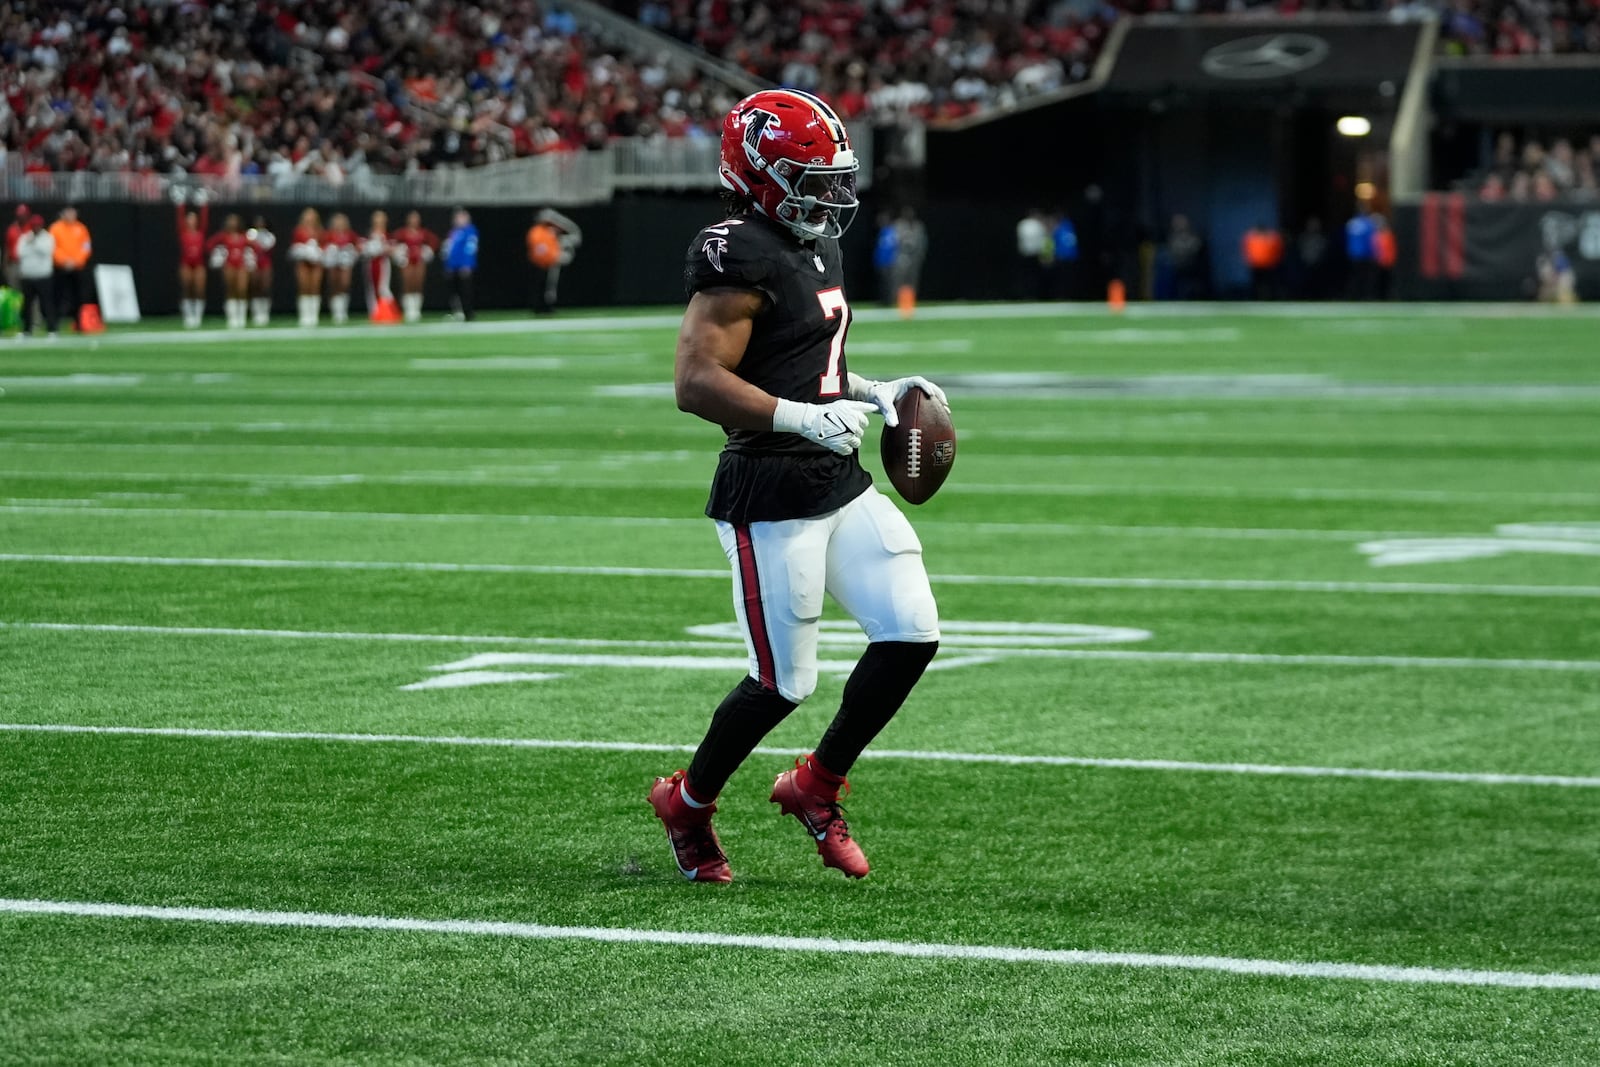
(36, 253)
(1031, 268)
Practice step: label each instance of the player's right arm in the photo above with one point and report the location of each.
(711, 343)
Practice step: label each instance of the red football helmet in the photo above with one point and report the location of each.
(788, 152)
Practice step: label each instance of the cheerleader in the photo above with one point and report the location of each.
(262, 242)
(339, 255)
(192, 263)
(306, 251)
(379, 254)
(230, 253)
(414, 249)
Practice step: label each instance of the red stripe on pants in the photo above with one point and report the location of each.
(755, 618)
(1455, 264)
(1430, 236)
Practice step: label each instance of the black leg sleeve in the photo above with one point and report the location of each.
(877, 687)
(744, 717)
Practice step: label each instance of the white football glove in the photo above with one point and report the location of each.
(885, 395)
(838, 426)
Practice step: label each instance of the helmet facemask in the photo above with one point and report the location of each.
(819, 198)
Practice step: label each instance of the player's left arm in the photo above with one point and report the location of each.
(886, 394)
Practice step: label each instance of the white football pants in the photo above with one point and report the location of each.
(865, 554)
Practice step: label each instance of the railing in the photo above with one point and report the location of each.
(557, 178)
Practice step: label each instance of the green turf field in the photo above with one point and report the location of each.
(1202, 576)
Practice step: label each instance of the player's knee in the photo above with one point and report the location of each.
(914, 619)
(798, 684)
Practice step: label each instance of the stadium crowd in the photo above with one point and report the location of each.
(1532, 171)
(333, 88)
(287, 87)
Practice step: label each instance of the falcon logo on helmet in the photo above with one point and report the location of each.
(788, 153)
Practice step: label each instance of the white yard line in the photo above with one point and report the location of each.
(1059, 581)
(1257, 658)
(1220, 533)
(1005, 759)
(556, 477)
(838, 946)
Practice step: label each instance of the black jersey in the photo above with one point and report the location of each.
(796, 352)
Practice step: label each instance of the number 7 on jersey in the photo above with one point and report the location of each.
(834, 306)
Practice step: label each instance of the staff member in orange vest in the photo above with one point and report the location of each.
(1263, 253)
(553, 240)
(72, 262)
(1384, 253)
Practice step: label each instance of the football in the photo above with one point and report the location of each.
(918, 453)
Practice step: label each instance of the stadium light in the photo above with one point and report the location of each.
(1354, 126)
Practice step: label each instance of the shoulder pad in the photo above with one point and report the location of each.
(728, 254)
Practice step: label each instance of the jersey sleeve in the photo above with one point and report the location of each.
(721, 257)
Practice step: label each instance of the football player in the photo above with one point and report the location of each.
(761, 352)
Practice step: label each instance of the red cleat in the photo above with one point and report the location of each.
(695, 846)
(814, 800)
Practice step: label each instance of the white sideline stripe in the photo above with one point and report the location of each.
(1064, 581)
(840, 946)
(929, 313)
(1247, 533)
(1005, 759)
(1442, 662)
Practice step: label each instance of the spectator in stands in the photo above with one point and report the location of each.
(1359, 253)
(461, 263)
(73, 250)
(14, 232)
(36, 265)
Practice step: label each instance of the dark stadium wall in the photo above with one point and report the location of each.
(632, 252)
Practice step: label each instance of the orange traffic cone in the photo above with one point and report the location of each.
(387, 311)
(1116, 295)
(89, 319)
(906, 300)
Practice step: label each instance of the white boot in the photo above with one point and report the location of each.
(339, 304)
(261, 309)
(309, 307)
(236, 313)
(412, 303)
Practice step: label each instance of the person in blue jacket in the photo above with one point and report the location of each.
(460, 263)
(885, 252)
